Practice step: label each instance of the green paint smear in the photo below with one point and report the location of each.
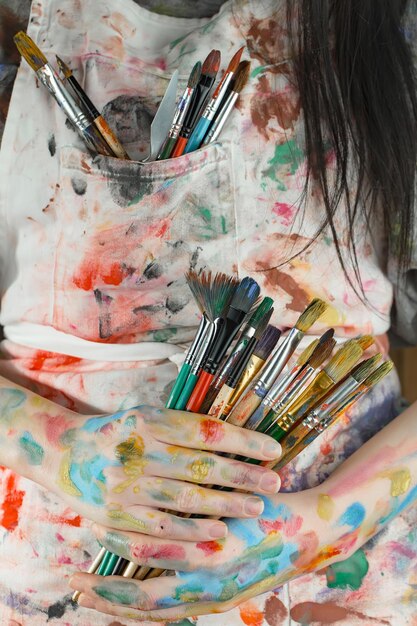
(33, 451)
(164, 334)
(119, 593)
(348, 574)
(229, 591)
(258, 70)
(286, 154)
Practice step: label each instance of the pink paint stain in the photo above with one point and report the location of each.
(164, 551)
(284, 212)
(288, 527)
(55, 427)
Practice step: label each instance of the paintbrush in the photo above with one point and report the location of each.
(91, 570)
(240, 80)
(212, 107)
(235, 372)
(180, 113)
(200, 96)
(260, 354)
(244, 297)
(334, 402)
(101, 124)
(50, 79)
(217, 297)
(339, 365)
(259, 387)
(285, 391)
(263, 311)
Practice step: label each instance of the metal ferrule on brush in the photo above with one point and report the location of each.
(331, 404)
(206, 343)
(53, 83)
(178, 122)
(217, 128)
(193, 349)
(278, 360)
(279, 387)
(338, 410)
(214, 103)
(297, 387)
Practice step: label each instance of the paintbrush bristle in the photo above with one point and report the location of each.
(262, 324)
(241, 76)
(329, 334)
(267, 342)
(378, 374)
(264, 307)
(211, 63)
(245, 295)
(312, 313)
(365, 368)
(65, 70)
(30, 51)
(194, 76)
(307, 352)
(322, 353)
(234, 63)
(198, 285)
(220, 294)
(343, 361)
(365, 342)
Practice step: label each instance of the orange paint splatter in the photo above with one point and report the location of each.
(250, 614)
(58, 519)
(209, 547)
(12, 502)
(211, 430)
(57, 360)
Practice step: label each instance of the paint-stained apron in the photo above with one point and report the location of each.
(97, 248)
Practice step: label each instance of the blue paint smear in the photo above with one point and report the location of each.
(89, 478)
(94, 424)
(398, 506)
(353, 516)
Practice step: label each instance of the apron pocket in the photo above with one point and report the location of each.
(127, 234)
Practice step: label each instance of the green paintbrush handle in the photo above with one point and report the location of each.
(103, 564)
(178, 386)
(167, 149)
(186, 392)
(108, 571)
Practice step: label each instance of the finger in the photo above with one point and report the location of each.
(208, 433)
(149, 521)
(160, 553)
(207, 468)
(184, 497)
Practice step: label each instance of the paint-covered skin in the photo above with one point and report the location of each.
(296, 534)
(113, 469)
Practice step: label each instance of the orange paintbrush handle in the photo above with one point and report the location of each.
(179, 147)
(199, 392)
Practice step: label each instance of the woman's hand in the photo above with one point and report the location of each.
(118, 469)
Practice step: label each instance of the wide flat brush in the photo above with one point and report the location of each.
(338, 366)
(239, 82)
(331, 403)
(257, 318)
(244, 297)
(50, 79)
(259, 387)
(180, 113)
(101, 124)
(212, 107)
(200, 96)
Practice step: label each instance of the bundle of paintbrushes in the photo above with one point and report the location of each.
(237, 370)
(196, 120)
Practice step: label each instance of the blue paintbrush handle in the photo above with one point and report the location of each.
(198, 135)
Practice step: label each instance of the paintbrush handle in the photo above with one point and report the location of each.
(178, 386)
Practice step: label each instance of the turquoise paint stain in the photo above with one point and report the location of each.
(286, 160)
(224, 225)
(348, 574)
(399, 506)
(353, 516)
(94, 424)
(33, 451)
(10, 400)
(258, 70)
(89, 478)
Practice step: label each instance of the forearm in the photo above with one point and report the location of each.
(29, 427)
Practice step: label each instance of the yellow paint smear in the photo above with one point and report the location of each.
(121, 516)
(400, 480)
(325, 507)
(200, 469)
(131, 455)
(64, 479)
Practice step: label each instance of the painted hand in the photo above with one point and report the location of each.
(118, 470)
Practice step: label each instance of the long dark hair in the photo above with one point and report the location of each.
(355, 75)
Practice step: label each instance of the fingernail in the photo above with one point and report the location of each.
(254, 506)
(272, 449)
(270, 482)
(86, 602)
(218, 530)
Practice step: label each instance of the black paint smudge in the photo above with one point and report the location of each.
(52, 145)
(59, 609)
(176, 303)
(104, 322)
(148, 308)
(153, 270)
(79, 185)
(131, 117)
(125, 180)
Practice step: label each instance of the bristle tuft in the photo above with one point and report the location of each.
(212, 63)
(241, 76)
(365, 368)
(30, 51)
(307, 352)
(264, 307)
(312, 313)
(329, 334)
(365, 342)
(198, 284)
(194, 76)
(267, 342)
(378, 374)
(322, 353)
(211, 292)
(245, 295)
(235, 60)
(262, 324)
(65, 70)
(343, 361)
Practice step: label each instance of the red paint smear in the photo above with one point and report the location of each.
(57, 519)
(11, 504)
(55, 427)
(250, 614)
(165, 551)
(59, 360)
(289, 527)
(276, 612)
(212, 431)
(209, 547)
(90, 274)
(328, 613)
(284, 211)
(325, 448)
